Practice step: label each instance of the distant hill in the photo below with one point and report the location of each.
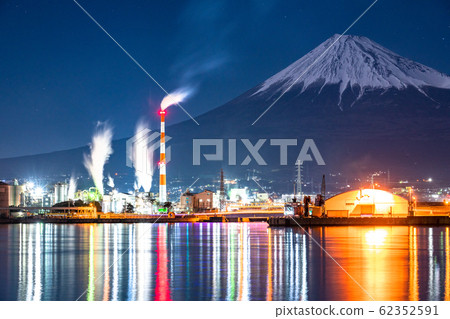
(365, 107)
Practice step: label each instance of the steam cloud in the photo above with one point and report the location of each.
(72, 187)
(100, 151)
(143, 158)
(110, 181)
(175, 98)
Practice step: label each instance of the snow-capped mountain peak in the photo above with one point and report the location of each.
(357, 62)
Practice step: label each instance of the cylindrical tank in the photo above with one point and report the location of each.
(15, 192)
(61, 190)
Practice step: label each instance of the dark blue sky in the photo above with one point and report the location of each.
(60, 74)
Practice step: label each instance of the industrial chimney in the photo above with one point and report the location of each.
(162, 161)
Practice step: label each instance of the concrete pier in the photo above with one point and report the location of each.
(288, 221)
(150, 220)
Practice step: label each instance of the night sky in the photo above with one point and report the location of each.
(60, 74)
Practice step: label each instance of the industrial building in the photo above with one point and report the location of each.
(11, 195)
(262, 197)
(4, 198)
(239, 195)
(197, 202)
(366, 202)
(117, 202)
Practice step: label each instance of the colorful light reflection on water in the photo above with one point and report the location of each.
(212, 261)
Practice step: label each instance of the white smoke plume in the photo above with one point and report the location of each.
(175, 98)
(143, 158)
(100, 151)
(72, 187)
(110, 181)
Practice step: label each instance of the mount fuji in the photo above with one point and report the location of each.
(357, 64)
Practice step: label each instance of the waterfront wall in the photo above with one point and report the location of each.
(359, 221)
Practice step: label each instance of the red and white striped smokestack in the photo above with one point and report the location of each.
(162, 161)
(170, 99)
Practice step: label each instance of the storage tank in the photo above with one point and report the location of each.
(15, 195)
(61, 190)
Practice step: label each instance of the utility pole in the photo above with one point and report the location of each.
(299, 179)
(322, 192)
(222, 192)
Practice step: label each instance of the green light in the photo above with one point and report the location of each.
(94, 195)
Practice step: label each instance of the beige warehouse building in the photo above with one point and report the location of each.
(366, 202)
(197, 202)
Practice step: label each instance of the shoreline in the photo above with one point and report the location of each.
(272, 221)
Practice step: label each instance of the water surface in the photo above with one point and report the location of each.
(230, 261)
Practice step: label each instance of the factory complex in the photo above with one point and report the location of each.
(28, 199)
